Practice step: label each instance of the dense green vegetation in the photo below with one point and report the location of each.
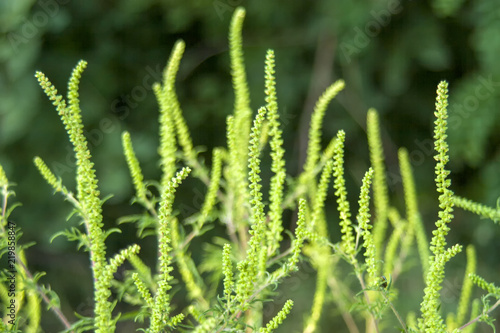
(390, 54)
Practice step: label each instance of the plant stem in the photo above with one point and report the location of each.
(346, 315)
(479, 317)
(56, 310)
(363, 287)
(395, 311)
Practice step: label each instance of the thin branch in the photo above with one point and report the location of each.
(56, 310)
(367, 297)
(395, 311)
(479, 317)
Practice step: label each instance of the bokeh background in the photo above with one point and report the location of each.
(391, 53)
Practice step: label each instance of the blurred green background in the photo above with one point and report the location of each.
(392, 55)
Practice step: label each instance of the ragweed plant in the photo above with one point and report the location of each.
(251, 260)
(227, 294)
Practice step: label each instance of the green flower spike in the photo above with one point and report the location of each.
(431, 319)
(348, 244)
(379, 181)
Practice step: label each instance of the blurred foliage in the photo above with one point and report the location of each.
(390, 53)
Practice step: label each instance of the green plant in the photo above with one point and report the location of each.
(252, 259)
